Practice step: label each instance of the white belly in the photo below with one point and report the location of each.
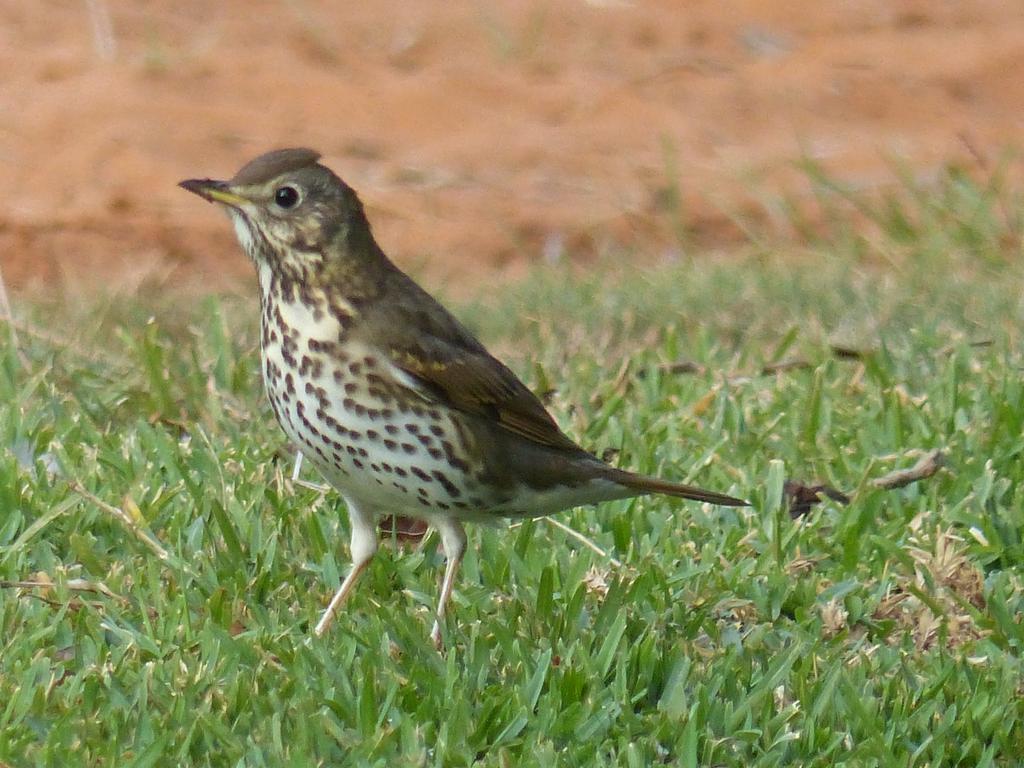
(376, 451)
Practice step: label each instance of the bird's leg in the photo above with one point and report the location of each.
(453, 541)
(363, 545)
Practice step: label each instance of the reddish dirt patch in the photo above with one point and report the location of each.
(480, 135)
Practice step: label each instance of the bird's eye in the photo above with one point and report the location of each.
(286, 197)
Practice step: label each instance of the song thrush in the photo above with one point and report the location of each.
(400, 408)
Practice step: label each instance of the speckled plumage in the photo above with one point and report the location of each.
(395, 402)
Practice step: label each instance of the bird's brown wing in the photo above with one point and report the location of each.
(480, 385)
(445, 363)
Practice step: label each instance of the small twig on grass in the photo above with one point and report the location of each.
(582, 539)
(949, 349)
(126, 520)
(679, 367)
(839, 352)
(847, 353)
(927, 466)
(785, 365)
(75, 585)
(296, 472)
(800, 497)
(400, 529)
(687, 367)
(588, 543)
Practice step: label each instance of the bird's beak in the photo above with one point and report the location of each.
(214, 191)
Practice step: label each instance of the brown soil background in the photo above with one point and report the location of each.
(481, 135)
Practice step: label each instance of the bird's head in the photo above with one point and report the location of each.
(291, 213)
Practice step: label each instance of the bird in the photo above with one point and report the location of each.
(396, 403)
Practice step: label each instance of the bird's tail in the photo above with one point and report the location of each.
(645, 484)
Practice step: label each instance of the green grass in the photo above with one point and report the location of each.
(884, 632)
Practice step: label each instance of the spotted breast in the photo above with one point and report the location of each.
(343, 403)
